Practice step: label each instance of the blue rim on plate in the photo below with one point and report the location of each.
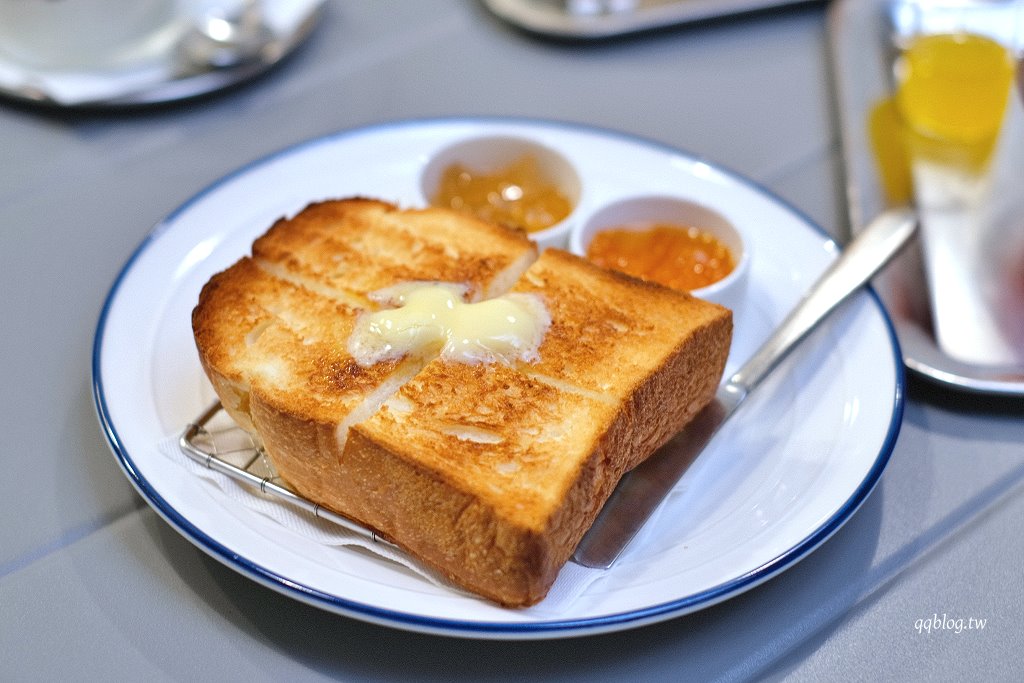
(522, 630)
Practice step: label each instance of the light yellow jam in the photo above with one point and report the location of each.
(431, 319)
(517, 196)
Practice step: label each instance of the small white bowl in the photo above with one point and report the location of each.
(492, 153)
(638, 213)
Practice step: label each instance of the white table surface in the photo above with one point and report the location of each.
(94, 585)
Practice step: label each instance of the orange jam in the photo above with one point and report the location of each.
(516, 196)
(679, 257)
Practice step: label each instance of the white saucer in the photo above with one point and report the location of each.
(159, 74)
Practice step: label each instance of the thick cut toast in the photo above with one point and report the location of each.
(490, 473)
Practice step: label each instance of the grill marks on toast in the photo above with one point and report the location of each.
(348, 298)
(376, 398)
(562, 385)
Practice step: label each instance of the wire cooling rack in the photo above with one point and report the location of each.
(216, 442)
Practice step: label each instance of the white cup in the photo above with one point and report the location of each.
(83, 34)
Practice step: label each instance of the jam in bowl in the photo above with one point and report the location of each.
(510, 181)
(670, 240)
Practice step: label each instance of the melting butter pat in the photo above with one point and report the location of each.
(430, 319)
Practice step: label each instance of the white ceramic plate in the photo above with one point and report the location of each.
(793, 466)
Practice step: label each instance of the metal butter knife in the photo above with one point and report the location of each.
(641, 491)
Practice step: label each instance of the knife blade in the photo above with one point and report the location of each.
(641, 491)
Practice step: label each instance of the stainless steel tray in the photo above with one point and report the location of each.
(862, 50)
(587, 19)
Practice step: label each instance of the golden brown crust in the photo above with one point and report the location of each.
(608, 329)
(362, 245)
(450, 529)
(490, 474)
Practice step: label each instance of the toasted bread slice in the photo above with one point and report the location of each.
(490, 473)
